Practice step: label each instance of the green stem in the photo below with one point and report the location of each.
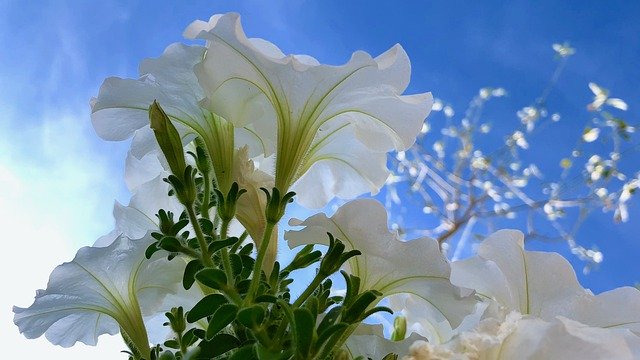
(257, 266)
(241, 239)
(332, 345)
(317, 280)
(206, 257)
(206, 196)
(226, 263)
(262, 337)
(335, 345)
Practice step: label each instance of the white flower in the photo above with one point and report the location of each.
(563, 50)
(334, 123)
(541, 284)
(601, 97)
(369, 341)
(590, 134)
(101, 291)
(387, 264)
(519, 338)
(121, 110)
(250, 208)
(528, 116)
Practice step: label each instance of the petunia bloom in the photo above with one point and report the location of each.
(101, 291)
(536, 309)
(334, 123)
(250, 209)
(387, 264)
(121, 110)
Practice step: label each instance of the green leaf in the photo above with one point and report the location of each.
(189, 273)
(236, 264)
(220, 319)
(266, 298)
(170, 244)
(205, 307)
(166, 355)
(151, 250)
(213, 278)
(264, 353)
(355, 312)
(330, 318)
(251, 317)
(206, 225)
(244, 353)
(329, 332)
(173, 344)
(305, 326)
(217, 346)
(219, 244)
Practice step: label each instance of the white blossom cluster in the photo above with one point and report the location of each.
(469, 185)
(270, 120)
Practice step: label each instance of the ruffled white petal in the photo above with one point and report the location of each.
(304, 97)
(101, 290)
(537, 283)
(387, 264)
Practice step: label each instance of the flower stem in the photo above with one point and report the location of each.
(206, 196)
(257, 266)
(309, 290)
(206, 257)
(226, 263)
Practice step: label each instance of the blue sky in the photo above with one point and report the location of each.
(58, 180)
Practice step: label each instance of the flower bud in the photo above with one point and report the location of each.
(168, 138)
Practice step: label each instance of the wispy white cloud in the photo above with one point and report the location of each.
(56, 192)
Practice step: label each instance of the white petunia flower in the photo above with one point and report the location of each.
(334, 124)
(388, 264)
(121, 110)
(250, 208)
(101, 291)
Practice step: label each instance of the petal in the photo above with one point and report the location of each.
(302, 91)
(122, 104)
(335, 172)
(567, 339)
(85, 296)
(368, 341)
(250, 209)
(242, 75)
(614, 309)
(387, 264)
(618, 103)
(138, 171)
(537, 283)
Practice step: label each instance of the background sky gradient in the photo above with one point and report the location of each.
(58, 180)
